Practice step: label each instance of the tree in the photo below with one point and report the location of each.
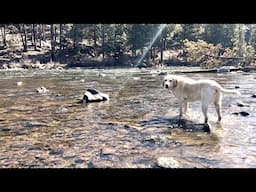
(3, 33)
(53, 42)
(23, 33)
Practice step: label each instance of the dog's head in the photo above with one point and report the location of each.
(170, 82)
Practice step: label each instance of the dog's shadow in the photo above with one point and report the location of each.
(176, 122)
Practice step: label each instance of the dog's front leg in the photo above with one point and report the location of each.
(181, 111)
(181, 108)
(185, 106)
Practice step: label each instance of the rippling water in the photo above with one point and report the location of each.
(53, 130)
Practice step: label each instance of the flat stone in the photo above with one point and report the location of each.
(79, 161)
(107, 150)
(55, 152)
(242, 105)
(167, 162)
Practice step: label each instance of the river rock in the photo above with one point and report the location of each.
(244, 113)
(167, 162)
(56, 152)
(61, 110)
(223, 70)
(78, 161)
(254, 96)
(242, 105)
(41, 90)
(237, 87)
(162, 73)
(106, 151)
(92, 95)
(19, 83)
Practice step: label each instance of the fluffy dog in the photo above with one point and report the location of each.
(189, 90)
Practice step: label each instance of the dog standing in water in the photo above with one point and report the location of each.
(189, 90)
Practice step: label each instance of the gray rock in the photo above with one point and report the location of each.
(242, 105)
(56, 152)
(162, 73)
(79, 161)
(167, 162)
(244, 113)
(93, 95)
(223, 70)
(41, 90)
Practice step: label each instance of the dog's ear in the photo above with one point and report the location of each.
(175, 83)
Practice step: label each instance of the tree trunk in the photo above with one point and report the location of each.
(95, 35)
(52, 43)
(75, 36)
(23, 34)
(103, 41)
(4, 36)
(40, 35)
(162, 50)
(61, 29)
(34, 36)
(43, 32)
(55, 34)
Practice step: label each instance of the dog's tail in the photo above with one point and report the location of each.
(228, 91)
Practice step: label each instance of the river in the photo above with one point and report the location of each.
(52, 130)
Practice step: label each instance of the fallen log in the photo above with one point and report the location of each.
(220, 70)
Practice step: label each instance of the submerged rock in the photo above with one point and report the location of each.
(162, 73)
(107, 151)
(61, 110)
(223, 70)
(237, 87)
(78, 161)
(242, 105)
(167, 162)
(254, 96)
(56, 152)
(92, 95)
(242, 113)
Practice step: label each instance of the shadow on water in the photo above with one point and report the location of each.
(184, 124)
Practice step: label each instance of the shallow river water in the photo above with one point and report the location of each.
(131, 130)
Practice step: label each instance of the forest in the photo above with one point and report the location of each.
(121, 45)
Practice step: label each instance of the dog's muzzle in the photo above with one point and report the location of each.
(166, 86)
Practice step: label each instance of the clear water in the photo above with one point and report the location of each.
(53, 130)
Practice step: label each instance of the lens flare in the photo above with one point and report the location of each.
(161, 28)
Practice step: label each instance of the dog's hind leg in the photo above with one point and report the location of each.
(217, 104)
(185, 106)
(204, 109)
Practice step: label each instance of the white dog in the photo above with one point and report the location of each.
(189, 90)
